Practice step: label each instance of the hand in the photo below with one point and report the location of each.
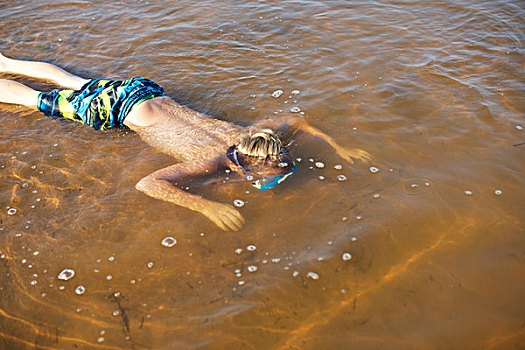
(223, 215)
(349, 154)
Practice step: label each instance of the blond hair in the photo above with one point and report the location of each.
(261, 144)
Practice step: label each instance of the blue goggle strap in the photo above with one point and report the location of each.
(273, 180)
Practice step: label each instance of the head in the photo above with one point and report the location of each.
(262, 157)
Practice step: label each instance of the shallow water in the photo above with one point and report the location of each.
(433, 90)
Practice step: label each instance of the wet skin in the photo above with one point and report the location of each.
(200, 142)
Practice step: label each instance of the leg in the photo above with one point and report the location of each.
(41, 70)
(14, 92)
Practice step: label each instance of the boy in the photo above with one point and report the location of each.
(200, 142)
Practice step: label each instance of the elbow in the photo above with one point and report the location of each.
(149, 183)
(143, 184)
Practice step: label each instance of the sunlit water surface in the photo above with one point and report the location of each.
(423, 247)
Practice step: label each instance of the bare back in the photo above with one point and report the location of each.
(180, 131)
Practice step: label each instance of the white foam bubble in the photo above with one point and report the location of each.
(320, 165)
(238, 251)
(321, 177)
(373, 169)
(252, 268)
(498, 192)
(312, 275)
(168, 242)
(338, 167)
(11, 211)
(238, 203)
(346, 256)
(80, 290)
(251, 248)
(295, 109)
(341, 178)
(295, 92)
(277, 93)
(66, 274)
(468, 193)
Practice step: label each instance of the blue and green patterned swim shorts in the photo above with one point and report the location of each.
(101, 104)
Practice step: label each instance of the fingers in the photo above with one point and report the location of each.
(233, 219)
(225, 216)
(365, 155)
(349, 159)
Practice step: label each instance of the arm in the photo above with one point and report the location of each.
(300, 124)
(159, 185)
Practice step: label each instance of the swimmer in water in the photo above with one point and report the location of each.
(198, 141)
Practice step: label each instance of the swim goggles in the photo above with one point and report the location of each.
(264, 183)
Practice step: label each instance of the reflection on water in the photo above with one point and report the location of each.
(421, 247)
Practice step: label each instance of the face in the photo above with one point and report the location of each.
(258, 167)
(265, 173)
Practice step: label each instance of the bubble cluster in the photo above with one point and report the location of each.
(169, 242)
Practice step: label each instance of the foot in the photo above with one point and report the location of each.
(3, 63)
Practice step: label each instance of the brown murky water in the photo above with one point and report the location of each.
(433, 90)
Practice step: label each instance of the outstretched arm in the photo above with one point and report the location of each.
(300, 124)
(160, 185)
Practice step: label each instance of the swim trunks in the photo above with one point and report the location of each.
(101, 104)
